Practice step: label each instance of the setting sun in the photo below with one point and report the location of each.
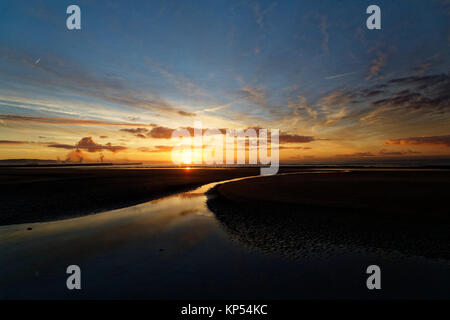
(186, 157)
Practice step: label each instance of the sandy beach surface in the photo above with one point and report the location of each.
(402, 210)
(44, 194)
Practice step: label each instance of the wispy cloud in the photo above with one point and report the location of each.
(376, 65)
(325, 35)
(261, 13)
(427, 141)
(156, 149)
(57, 72)
(66, 121)
(340, 75)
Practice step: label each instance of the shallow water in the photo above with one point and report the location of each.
(174, 247)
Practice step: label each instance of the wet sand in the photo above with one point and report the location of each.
(394, 210)
(45, 194)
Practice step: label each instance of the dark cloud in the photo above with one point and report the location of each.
(186, 114)
(61, 146)
(293, 148)
(89, 145)
(423, 82)
(138, 132)
(161, 132)
(371, 93)
(380, 154)
(431, 140)
(385, 152)
(158, 132)
(294, 138)
(9, 142)
(356, 155)
(112, 148)
(428, 93)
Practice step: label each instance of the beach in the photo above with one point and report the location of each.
(45, 194)
(200, 245)
(404, 210)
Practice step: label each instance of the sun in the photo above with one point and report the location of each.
(186, 157)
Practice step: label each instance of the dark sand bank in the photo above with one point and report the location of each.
(42, 194)
(406, 211)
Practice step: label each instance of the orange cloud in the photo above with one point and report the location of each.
(77, 156)
(432, 140)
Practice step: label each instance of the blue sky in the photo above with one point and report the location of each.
(309, 68)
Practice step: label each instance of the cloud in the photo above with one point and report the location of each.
(65, 121)
(89, 145)
(293, 148)
(427, 98)
(294, 138)
(136, 131)
(157, 132)
(325, 35)
(186, 114)
(9, 142)
(376, 65)
(368, 93)
(156, 149)
(160, 132)
(77, 156)
(255, 95)
(340, 75)
(182, 83)
(356, 155)
(429, 93)
(440, 81)
(427, 141)
(385, 152)
(61, 146)
(260, 14)
(67, 74)
(382, 153)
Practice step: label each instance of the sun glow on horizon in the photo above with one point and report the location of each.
(186, 157)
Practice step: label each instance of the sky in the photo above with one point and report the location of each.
(136, 70)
